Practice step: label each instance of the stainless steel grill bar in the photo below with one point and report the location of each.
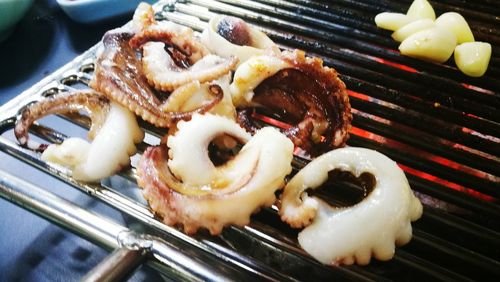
(117, 266)
(421, 105)
(331, 26)
(395, 102)
(458, 198)
(63, 213)
(443, 129)
(234, 266)
(342, 15)
(478, 183)
(105, 232)
(451, 88)
(468, 262)
(410, 118)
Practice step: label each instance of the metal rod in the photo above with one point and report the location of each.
(482, 185)
(51, 207)
(365, 67)
(124, 204)
(183, 256)
(109, 234)
(255, 13)
(117, 266)
(455, 197)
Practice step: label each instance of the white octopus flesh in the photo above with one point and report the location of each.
(229, 36)
(251, 73)
(163, 72)
(185, 188)
(301, 92)
(114, 133)
(119, 75)
(181, 38)
(194, 94)
(109, 151)
(352, 234)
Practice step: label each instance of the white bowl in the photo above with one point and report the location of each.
(91, 11)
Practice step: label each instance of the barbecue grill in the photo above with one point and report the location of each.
(442, 127)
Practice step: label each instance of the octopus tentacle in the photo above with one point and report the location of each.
(301, 91)
(192, 95)
(352, 234)
(144, 16)
(109, 151)
(181, 155)
(252, 73)
(172, 56)
(229, 36)
(96, 105)
(222, 195)
(119, 75)
(171, 34)
(179, 37)
(162, 71)
(114, 132)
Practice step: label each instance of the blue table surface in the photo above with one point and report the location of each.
(31, 248)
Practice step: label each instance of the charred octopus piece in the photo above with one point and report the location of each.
(119, 75)
(114, 133)
(229, 36)
(163, 72)
(186, 188)
(171, 54)
(299, 91)
(192, 95)
(180, 38)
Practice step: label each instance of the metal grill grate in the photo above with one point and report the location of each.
(442, 127)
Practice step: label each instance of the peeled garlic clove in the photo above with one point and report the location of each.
(411, 28)
(472, 58)
(421, 9)
(391, 21)
(435, 44)
(457, 24)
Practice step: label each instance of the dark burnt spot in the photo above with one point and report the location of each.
(234, 30)
(298, 99)
(180, 59)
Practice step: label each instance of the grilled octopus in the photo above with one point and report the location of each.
(171, 54)
(114, 133)
(229, 36)
(119, 75)
(139, 64)
(298, 90)
(185, 187)
(347, 235)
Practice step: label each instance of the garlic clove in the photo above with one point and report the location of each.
(391, 21)
(421, 9)
(472, 58)
(456, 24)
(435, 44)
(411, 28)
